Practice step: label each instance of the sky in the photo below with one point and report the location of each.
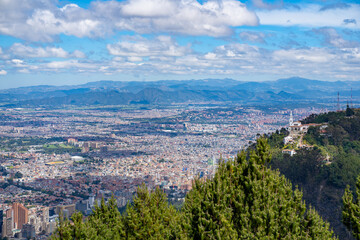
(61, 42)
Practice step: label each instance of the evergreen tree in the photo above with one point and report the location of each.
(351, 210)
(150, 216)
(246, 200)
(106, 220)
(349, 112)
(104, 223)
(63, 230)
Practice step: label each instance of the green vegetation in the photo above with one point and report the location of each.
(22, 143)
(46, 145)
(323, 184)
(351, 213)
(60, 148)
(244, 200)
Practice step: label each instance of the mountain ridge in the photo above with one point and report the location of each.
(177, 91)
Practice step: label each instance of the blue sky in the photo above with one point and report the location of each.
(57, 42)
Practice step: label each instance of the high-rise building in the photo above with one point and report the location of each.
(8, 223)
(67, 210)
(28, 231)
(83, 206)
(7, 227)
(45, 218)
(20, 214)
(1, 221)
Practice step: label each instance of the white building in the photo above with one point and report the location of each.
(288, 139)
(291, 152)
(296, 127)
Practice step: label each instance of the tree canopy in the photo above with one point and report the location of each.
(244, 200)
(351, 210)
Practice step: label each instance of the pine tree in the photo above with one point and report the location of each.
(351, 210)
(64, 229)
(246, 200)
(104, 223)
(150, 216)
(106, 220)
(349, 112)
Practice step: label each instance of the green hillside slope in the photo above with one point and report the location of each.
(323, 170)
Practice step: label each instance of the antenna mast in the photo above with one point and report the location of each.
(338, 102)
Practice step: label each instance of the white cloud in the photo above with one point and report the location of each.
(3, 72)
(246, 59)
(253, 36)
(17, 62)
(210, 56)
(262, 4)
(32, 66)
(134, 59)
(24, 51)
(313, 55)
(70, 64)
(145, 57)
(43, 20)
(3, 55)
(78, 54)
(146, 8)
(160, 46)
(238, 51)
(21, 50)
(163, 55)
(331, 37)
(212, 18)
(311, 16)
(21, 66)
(24, 70)
(46, 25)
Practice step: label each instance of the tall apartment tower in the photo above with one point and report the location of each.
(8, 223)
(1, 221)
(20, 215)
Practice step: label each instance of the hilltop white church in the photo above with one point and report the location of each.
(296, 128)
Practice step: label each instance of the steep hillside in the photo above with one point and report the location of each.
(330, 161)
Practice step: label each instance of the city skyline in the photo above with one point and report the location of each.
(67, 42)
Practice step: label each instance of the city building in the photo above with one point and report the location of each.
(67, 210)
(20, 214)
(28, 231)
(7, 227)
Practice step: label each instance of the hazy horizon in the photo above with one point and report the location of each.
(162, 80)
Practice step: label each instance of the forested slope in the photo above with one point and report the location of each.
(323, 183)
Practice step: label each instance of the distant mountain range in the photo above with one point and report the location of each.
(179, 91)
